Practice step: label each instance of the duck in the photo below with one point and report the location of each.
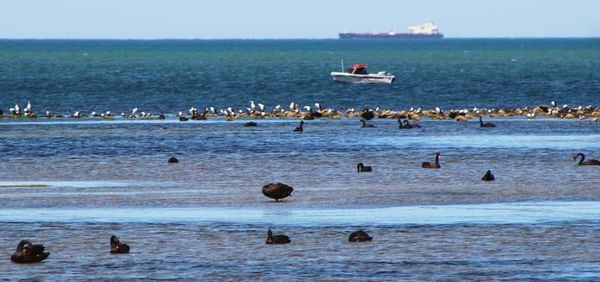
(161, 115)
(487, 124)
(488, 176)
(250, 123)
(182, 118)
(582, 162)
(362, 168)
(277, 239)
(364, 124)
(173, 160)
(300, 127)
(28, 253)
(277, 191)
(116, 247)
(359, 236)
(436, 164)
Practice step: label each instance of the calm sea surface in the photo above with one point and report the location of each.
(70, 183)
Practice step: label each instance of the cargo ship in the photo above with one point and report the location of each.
(427, 30)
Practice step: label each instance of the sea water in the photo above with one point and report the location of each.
(71, 183)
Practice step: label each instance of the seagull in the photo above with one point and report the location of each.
(553, 103)
(318, 106)
(108, 114)
(17, 109)
(261, 107)
(252, 106)
(307, 108)
(28, 108)
(292, 106)
(134, 112)
(277, 108)
(212, 110)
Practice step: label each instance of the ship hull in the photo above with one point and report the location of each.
(402, 36)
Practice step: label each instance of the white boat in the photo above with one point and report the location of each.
(358, 74)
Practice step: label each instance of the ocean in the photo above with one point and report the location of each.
(72, 183)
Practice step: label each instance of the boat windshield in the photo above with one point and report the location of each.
(357, 70)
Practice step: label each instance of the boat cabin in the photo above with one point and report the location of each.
(358, 69)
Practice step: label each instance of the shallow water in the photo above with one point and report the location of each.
(71, 184)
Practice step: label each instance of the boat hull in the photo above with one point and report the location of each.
(367, 78)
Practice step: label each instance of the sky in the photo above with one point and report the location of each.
(218, 19)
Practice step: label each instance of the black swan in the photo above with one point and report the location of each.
(363, 168)
(277, 239)
(173, 160)
(407, 125)
(488, 176)
(277, 191)
(365, 124)
(116, 247)
(367, 114)
(582, 162)
(250, 123)
(300, 127)
(436, 164)
(487, 124)
(27, 253)
(359, 236)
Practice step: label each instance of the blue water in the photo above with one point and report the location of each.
(71, 183)
(173, 75)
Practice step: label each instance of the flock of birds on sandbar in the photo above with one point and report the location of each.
(28, 252)
(259, 110)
